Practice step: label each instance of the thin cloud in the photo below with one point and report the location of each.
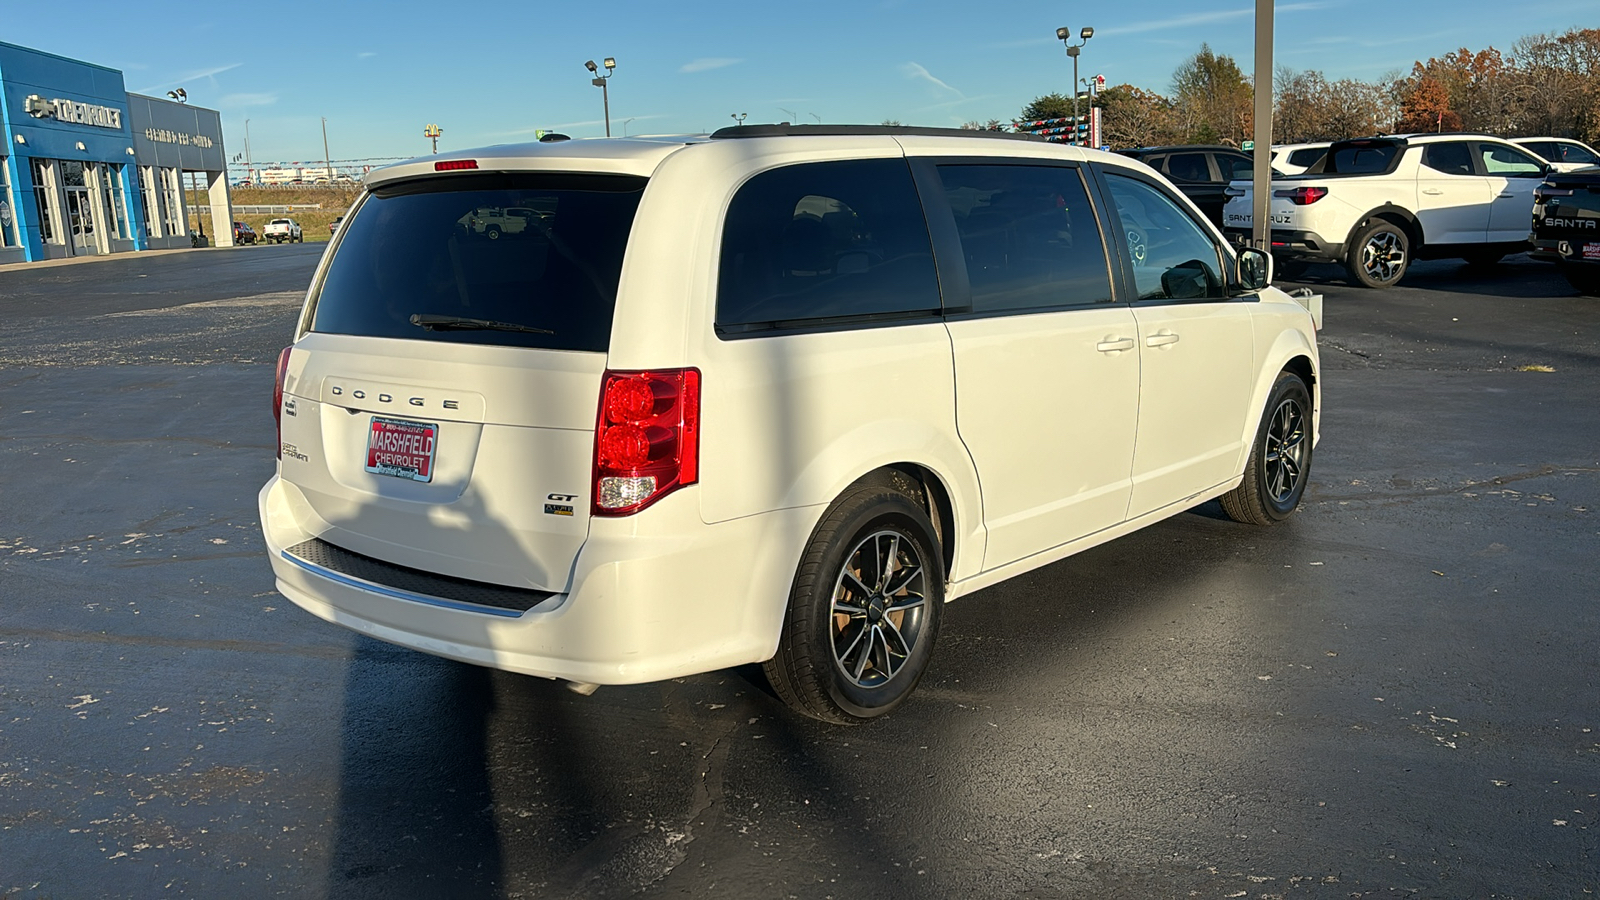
(913, 70)
(616, 124)
(707, 63)
(189, 77)
(367, 54)
(248, 100)
(953, 103)
(1207, 18)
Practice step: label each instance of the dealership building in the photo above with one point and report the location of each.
(88, 168)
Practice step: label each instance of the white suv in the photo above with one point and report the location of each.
(770, 395)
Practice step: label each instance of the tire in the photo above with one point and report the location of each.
(1378, 255)
(1585, 279)
(1280, 458)
(1483, 259)
(492, 232)
(843, 594)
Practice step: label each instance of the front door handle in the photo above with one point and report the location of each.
(1434, 191)
(1161, 339)
(1114, 345)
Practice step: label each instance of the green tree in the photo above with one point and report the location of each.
(1134, 117)
(1213, 99)
(1050, 106)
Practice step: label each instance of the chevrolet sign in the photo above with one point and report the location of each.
(73, 111)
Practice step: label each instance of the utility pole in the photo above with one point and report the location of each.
(1261, 151)
(327, 161)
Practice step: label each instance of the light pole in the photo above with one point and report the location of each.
(182, 96)
(738, 117)
(1065, 36)
(599, 81)
(625, 124)
(327, 161)
(249, 163)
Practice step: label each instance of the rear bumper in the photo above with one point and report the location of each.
(1567, 249)
(652, 596)
(1307, 246)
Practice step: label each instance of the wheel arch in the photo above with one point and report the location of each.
(1389, 212)
(1290, 352)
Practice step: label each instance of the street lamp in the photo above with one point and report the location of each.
(738, 117)
(599, 81)
(182, 96)
(1065, 36)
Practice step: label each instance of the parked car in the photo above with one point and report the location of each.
(1375, 204)
(492, 222)
(1201, 172)
(768, 396)
(1563, 154)
(333, 227)
(1566, 226)
(243, 233)
(280, 230)
(1292, 159)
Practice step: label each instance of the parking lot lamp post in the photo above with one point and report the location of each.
(599, 81)
(738, 117)
(1065, 35)
(327, 161)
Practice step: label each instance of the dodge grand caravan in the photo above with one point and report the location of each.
(772, 395)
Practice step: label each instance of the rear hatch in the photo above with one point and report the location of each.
(444, 409)
(1566, 207)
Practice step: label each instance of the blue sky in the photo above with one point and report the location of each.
(491, 72)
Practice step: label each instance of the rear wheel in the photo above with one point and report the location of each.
(1378, 255)
(1280, 459)
(1585, 279)
(864, 609)
(492, 232)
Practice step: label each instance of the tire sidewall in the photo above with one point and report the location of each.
(895, 512)
(1287, 387)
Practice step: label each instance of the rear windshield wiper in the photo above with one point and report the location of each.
(461, 323)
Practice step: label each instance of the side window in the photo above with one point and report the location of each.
(1450, 157)
(1499, 159)
(1235, 168)
(823, 240)
(1307, 156)
(1547, 149)
(1029, 236)
(1188, 167)
(1576, 153)
(1173, 259)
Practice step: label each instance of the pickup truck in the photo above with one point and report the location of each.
(1566, 226)
(1375, 204)
(280, 230)
(491, 222)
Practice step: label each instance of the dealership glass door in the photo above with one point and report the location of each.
(80, 209)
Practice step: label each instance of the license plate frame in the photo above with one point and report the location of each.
(401, 457)
(1591, 250)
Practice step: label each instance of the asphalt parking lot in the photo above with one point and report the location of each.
(1394, 693)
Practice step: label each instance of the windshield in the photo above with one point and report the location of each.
(538, 250)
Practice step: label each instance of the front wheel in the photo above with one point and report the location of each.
(1280, 458)
(1378, 255)
(864, 609)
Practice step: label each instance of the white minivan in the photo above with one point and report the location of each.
(772, 395)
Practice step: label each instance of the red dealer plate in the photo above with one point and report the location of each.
(1591, 251)
(402, 448)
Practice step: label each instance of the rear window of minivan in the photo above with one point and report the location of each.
(531, 250)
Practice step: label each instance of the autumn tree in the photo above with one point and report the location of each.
(1135, 117)
(1426, 107)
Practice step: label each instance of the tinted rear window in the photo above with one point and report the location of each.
(1306, 156)
(825, 240)
(538, 250)
(1367, 158)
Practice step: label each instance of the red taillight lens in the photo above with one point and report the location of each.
(1302, 196)
(454, 165)
(277, 396)
(647, 438)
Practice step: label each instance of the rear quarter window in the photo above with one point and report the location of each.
(825, 241)
(538, 250)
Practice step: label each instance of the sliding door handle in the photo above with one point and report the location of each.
(1114, 345)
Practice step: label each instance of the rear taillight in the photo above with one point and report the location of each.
(647, 440)
(277, 397)
(1302, 196)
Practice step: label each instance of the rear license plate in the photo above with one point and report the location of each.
(402, 448)
(1591, 251)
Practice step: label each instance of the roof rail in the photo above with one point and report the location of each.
(787, 130)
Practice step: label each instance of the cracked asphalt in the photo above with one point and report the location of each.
(1394, 693)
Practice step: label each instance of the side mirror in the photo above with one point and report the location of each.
(1255, 269)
